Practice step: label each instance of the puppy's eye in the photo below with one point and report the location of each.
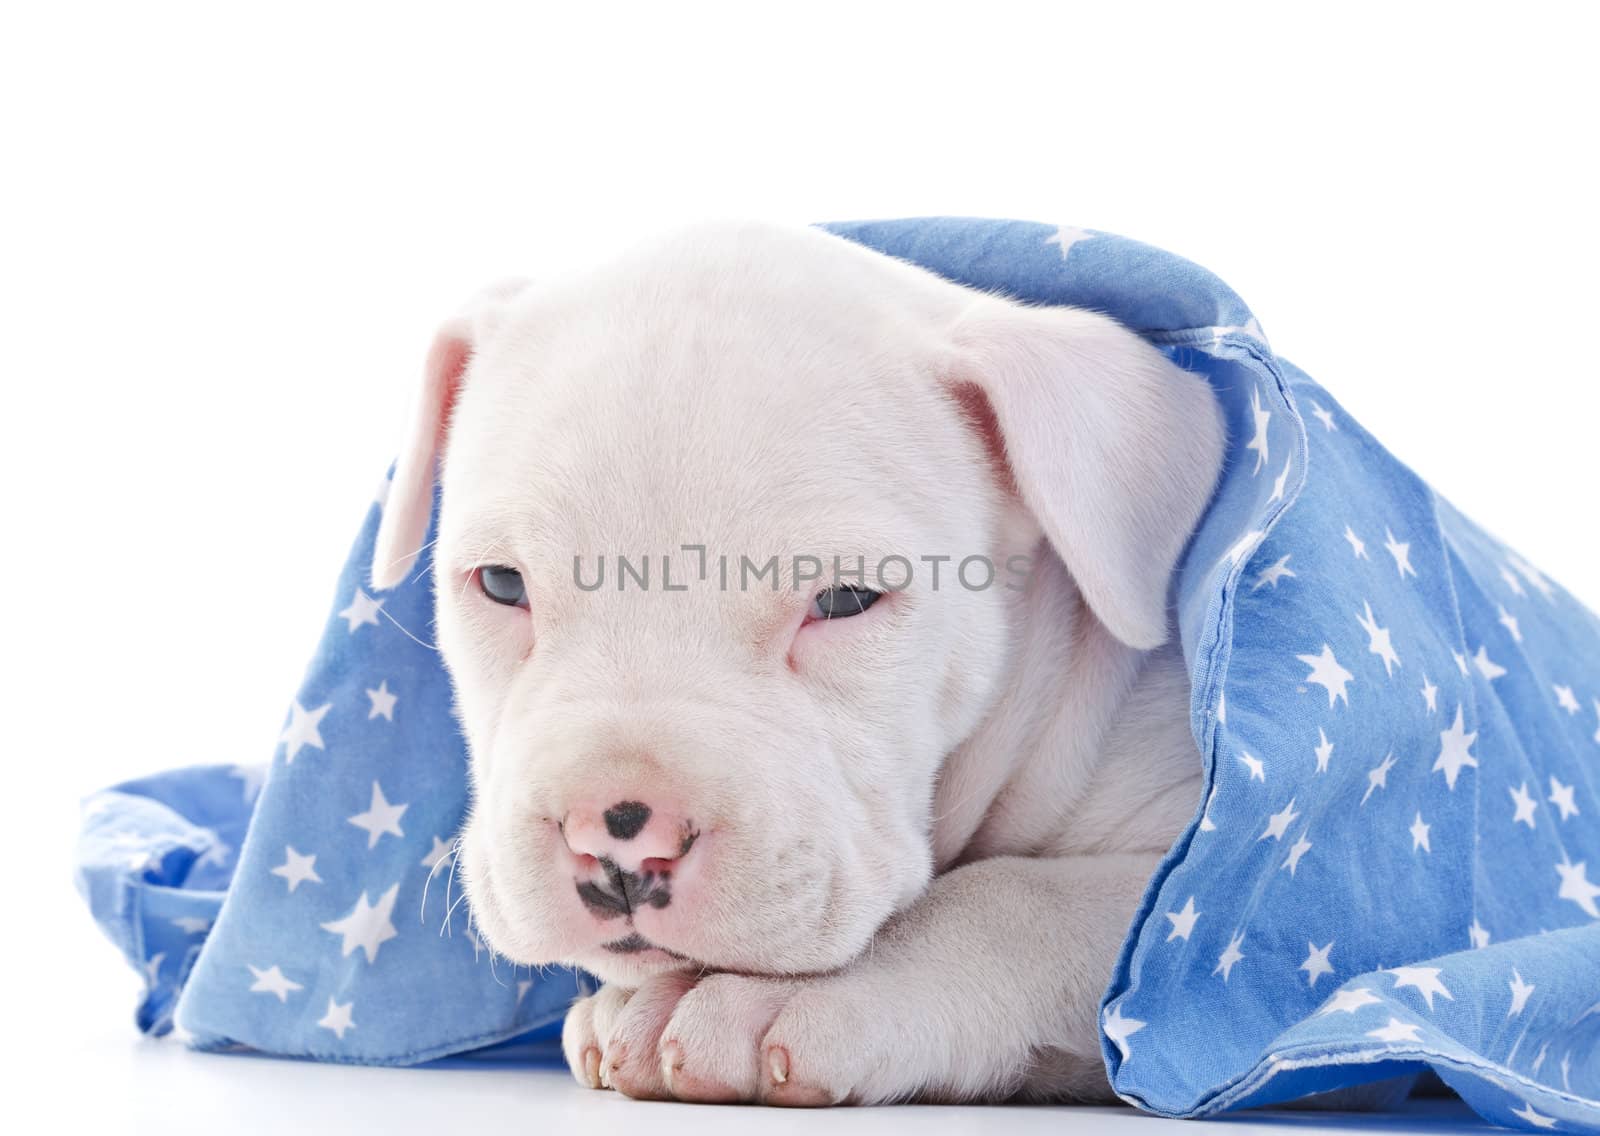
(842, 601)
(503, 585)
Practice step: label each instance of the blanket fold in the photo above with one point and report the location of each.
(1395, 864)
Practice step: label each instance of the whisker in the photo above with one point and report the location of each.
(412, 555)
(478, 560)
(493, 974)
(422, 915)
(426, 568)
(451, 911)
(404, 630)
(449, 884)
(450, 881)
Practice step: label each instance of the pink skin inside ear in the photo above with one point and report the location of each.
(979, 413)
(410, 499)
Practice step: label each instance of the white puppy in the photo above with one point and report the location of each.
(862, 834)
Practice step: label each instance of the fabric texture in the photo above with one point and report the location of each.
(306, 907)
(1395, 866)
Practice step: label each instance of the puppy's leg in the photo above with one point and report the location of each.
(987, 987)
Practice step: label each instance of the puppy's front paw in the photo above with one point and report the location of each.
(712, 1048)
(612, 1039)
(722, 1039)
(799, 1042)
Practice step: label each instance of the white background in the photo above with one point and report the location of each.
(227, 233)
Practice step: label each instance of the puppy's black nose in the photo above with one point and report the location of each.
(625, 818)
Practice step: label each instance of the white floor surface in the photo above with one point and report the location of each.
(158, 1087)
(75, 1063)
(145, 1086)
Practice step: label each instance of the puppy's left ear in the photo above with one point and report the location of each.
(409, 502)
(1113, 448)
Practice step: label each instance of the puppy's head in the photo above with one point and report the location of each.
(732, 539)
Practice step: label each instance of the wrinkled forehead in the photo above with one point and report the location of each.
(741, 422)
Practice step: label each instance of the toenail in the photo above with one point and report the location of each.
(671, 1060)
(778, 1064)
(609, 1069)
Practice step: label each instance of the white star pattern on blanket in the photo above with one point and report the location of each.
(1324, 750)
(1183, 921)
(1575, 886)
(1424, 978)
(1478, 934)
(1120, 1029)
(1279, 822)
(1317, 964)
(1455, 745)
(1326, 672)
(1520, 991)
(1231, 955)
(302, 729)
(363, 609)
(1349, 1001)
(383, 702)
(272, 981)
(1259, 442)
(338, 1018)
(381, 818)
(368, 926)
(297, 869)
(1378, 640)
(1291, 863)
(1396, 1030)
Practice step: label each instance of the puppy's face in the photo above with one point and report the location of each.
(701, 592)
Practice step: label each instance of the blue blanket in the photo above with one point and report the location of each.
(1396, 863)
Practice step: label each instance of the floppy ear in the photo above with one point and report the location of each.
(409, 502)
(1114, 449)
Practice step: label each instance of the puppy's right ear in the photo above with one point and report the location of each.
(409, 502)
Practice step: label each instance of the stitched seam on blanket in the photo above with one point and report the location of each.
(1236, 578)
(1230, 1094)
(1122, 972)
(1217, 659)
(1311, 1056)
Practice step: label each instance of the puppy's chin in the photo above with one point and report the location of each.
(631, 970)
(630, 960)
